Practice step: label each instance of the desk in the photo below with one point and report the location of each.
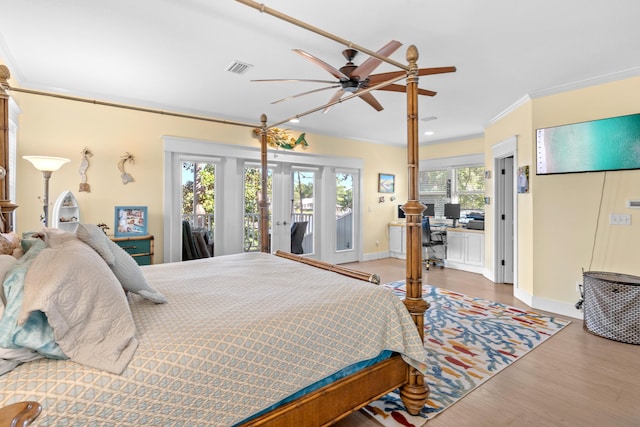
(465, 249)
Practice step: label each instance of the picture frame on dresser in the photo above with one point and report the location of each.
(130, 221)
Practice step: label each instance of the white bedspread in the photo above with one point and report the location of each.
(239, 333)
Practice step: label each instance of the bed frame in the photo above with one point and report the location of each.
(337, 400)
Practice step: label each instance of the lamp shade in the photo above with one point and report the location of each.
(45, 163)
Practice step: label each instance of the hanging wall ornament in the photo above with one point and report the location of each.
(126, 178)
(280, 138)
(82, 170)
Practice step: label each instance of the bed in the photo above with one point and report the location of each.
(235, 337)
(162, 372)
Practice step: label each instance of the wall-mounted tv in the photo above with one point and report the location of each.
(597, 145)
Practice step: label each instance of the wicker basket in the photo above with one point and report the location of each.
(612, 306)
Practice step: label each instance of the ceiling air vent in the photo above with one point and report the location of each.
(238, 67)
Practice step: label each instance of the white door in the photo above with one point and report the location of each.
(345, 222)
(293, 203)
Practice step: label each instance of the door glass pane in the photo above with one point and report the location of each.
(199, 197)
(344, 211)
(302, 211)
(252, 192)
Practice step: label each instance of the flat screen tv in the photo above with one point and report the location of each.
(597, 145)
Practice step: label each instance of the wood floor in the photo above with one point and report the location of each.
(573, 379)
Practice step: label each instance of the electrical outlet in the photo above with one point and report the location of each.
(619, 219)
(377, 242)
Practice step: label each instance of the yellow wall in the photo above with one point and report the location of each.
(563, 222)
(56, 127)
(571, 212)
(517, 123)
(462, 147)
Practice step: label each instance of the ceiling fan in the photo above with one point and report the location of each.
(355, 78)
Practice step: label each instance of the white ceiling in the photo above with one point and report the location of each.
(172, 55)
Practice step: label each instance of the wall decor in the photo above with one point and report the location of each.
(130, 221)
(386, 183)
(523, 179)
(280, 138)
(126, 178)
(82, 170)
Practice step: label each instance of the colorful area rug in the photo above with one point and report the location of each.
(468, 340)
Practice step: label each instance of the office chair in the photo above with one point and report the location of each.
(297, 235)
(432, 241)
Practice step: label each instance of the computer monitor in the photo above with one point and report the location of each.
(452, 211)
(400, 212)
(430, 210)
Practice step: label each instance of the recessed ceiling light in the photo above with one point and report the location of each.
(294, 121)
(429, 132)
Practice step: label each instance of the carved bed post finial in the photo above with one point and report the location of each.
(4, 77)
(414, 394)
(263, 201)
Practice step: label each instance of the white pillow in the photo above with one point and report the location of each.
(130, 276)
(93, 236)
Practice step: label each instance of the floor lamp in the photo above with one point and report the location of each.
(46, 165)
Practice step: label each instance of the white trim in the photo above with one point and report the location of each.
(217, 149)
(454, 139)
(506, 148)
(229, 158)
(510, 109)
(551, 306)
(589, 82)
(452, 162)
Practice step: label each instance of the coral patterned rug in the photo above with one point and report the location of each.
(468, 340)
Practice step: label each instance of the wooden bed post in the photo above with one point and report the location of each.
(263, 203)
(414, 394)
(6, 207)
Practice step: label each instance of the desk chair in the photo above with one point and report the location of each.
(297, 236)
(434, 242)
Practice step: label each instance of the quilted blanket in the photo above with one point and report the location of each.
(239, 333)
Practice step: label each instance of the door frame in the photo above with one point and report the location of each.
(232, 157)
(500, 151)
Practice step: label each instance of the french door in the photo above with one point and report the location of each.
(318, 193)
(293, 205)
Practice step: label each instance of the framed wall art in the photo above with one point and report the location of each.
(130, 221)
(386, 183)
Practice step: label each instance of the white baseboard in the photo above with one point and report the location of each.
(558, 307)
(375, 255)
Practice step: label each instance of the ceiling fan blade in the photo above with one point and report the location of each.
(364, 69)
(296, 80)
(305, 93)
(371, 100)
(333, 99)
(378, 78)
(333, 71)
(400, 88)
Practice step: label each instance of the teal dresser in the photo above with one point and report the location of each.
(139, 247)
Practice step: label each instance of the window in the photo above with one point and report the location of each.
(463, 184)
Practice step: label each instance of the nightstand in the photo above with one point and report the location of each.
(139, 247)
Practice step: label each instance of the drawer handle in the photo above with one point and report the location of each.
(129, 247)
